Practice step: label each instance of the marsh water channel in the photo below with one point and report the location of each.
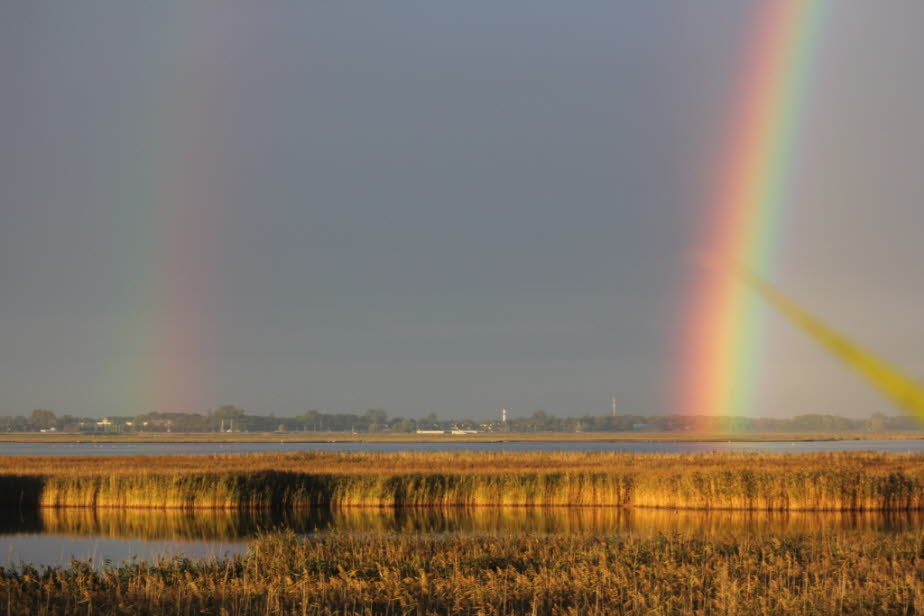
(212, 448)
(50, 536)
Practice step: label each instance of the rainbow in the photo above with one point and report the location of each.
(722, 320)
(175, 222)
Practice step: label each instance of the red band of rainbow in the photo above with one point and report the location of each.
(722, 324)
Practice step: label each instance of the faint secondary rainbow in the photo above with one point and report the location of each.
(175, 221)
(722, 323)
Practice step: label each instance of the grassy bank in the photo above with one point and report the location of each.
(840, 481)
(407, 574)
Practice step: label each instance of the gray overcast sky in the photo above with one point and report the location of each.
(421, 206)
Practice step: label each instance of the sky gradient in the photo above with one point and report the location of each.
(427, 208)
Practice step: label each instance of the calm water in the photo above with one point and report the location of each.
(56, 536)
(133, 449)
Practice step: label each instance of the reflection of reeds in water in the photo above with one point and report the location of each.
(543, 520)
(15, 521)
(220, 525)
(614, 520)
(143, 524)
(205, 525)
(646, 522)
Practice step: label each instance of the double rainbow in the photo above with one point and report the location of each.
(722, 324)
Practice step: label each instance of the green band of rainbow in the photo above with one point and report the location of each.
(722, 325)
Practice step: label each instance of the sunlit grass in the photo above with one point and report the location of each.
(491, 574)
(829, 481)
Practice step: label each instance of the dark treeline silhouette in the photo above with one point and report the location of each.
(230, 418)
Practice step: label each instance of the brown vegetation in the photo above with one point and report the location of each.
(482, 574)
(835, 481)
(461, 462)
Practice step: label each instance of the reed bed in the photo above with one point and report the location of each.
(522, 574)
(837, 481)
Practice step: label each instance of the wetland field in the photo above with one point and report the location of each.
(499, 574)
(454, 532)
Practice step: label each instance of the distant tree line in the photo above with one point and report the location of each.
(229, 418)
(541, 421)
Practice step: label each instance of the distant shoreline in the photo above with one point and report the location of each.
(488, 437)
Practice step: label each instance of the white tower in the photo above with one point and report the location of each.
(503, 416)
(613, 406)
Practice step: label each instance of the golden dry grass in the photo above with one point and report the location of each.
(460, 462)
(830, 481)
(479, 574)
